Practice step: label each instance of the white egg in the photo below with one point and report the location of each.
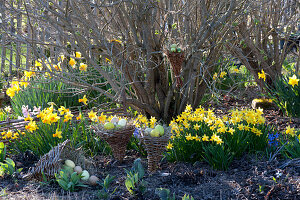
(85, 175)
(122, 122)
(114, 120)
(70, 163)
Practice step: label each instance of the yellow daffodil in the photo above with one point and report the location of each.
(102, 118)
(186, 125)
(62, 110)
(16, 88)
(79, 116)
(258, 132)
(82, 67)
(219, 141)
(50, 118)
(170, 146)
(152, 122)
(293, 80)
(38, 63)
(107, 60)
(205, 138)
(216, 139)
(72, 62)
(241, 127)
(10, 92)
(31, 126)
(93, 115)
(222, 129)
(196, 127)
(231, 131)
(57, 67)
(246, 128)
(215, 76)
(188, 108)
(188, 137)
(24, 83)
(78, 55)
(40, 115)
(57, 134)
(223, 74)
(68, 116)
(236, 70)
(29, 74)
(290, 131)
(16, 135)
(83, 100)
(28, 118)
(9, 134)
(262, 75)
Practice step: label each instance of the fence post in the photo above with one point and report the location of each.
(18, 44)
(12, 30)
(3, 38)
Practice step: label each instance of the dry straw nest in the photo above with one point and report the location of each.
(176, 59)
(155, 147)
(52, 162)
(117, 139)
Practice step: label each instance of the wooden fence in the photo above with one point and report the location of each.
(17, 37)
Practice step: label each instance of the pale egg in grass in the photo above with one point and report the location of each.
(93, 180)
(70, 163)
(78, 169)
(85, 175)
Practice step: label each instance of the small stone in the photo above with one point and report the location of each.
(262, 103)
(165, 174)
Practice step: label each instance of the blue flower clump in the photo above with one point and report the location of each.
(136, 133)
(273, 139)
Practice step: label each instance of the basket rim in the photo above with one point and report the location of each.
(104, 131)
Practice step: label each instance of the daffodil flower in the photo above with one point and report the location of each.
(83, 100)
(293, 80)
(262, 75)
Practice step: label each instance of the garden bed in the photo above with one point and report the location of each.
(249, 178)
(254, 176)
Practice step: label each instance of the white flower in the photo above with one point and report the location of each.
(36, 110)
(25, 110)
(7, 109)
(278, 174)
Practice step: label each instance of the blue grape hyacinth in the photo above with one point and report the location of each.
(273, 139)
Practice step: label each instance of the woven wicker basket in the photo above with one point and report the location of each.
(155, 147)
(117, 140)
(176, 60)
(52, 162)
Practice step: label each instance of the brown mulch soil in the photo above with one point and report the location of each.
(248, 178)
(251, 177)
